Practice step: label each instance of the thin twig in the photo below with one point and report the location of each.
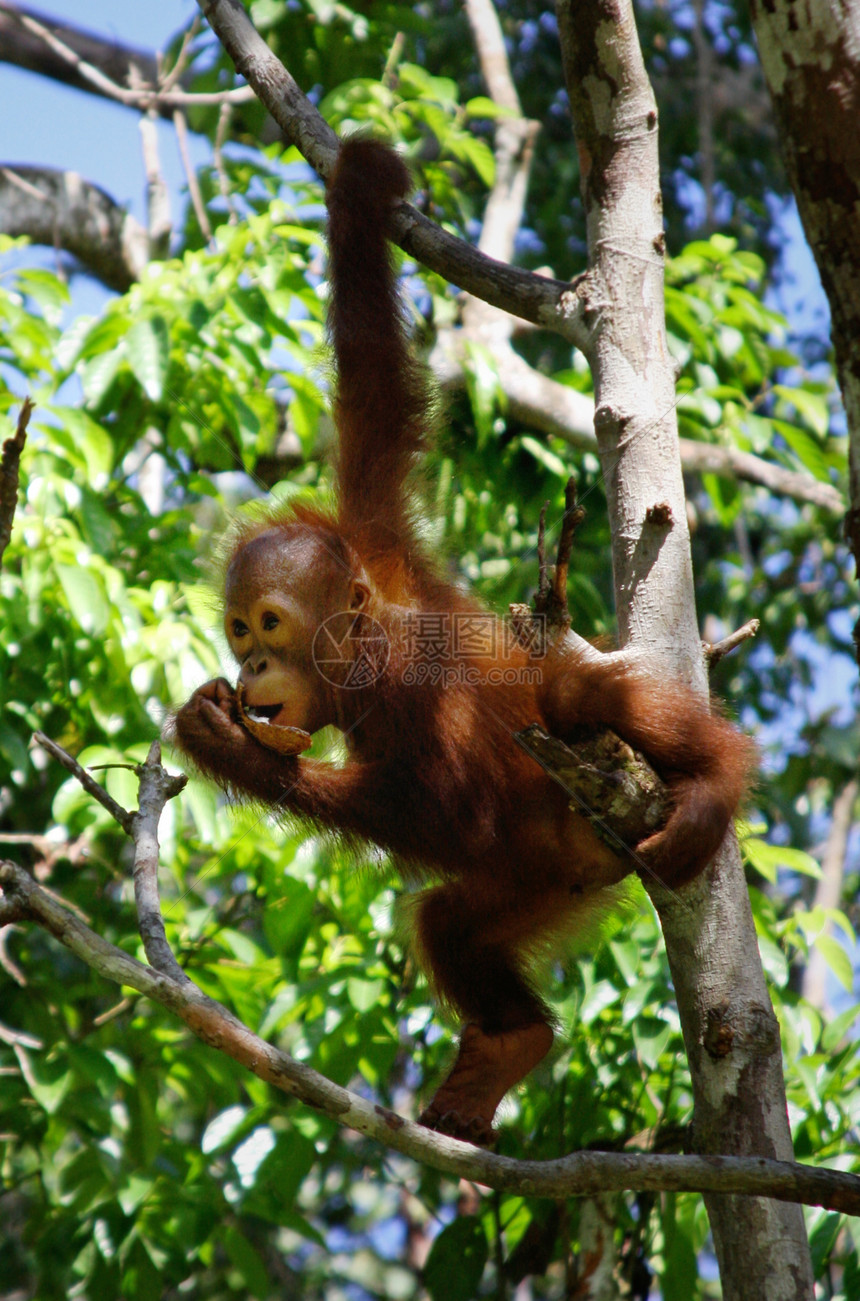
(543, 567)
(224, 119)
(90, 785)
(570, 522)
(714, 651)
(169, 80)
(142, 99)
(389, 72)
(180, 125)
(7, 962)
(157, 786)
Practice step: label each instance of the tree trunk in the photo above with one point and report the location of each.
(729, 1027)
(811, 60)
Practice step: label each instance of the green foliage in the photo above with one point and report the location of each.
(135, 1161)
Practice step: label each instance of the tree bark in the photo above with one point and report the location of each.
(62, 210)
(828, 891)
(810, 54)
(123, 64)
(729, 1027)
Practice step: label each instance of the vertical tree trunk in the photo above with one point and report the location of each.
(811, 60)
(730, 1030)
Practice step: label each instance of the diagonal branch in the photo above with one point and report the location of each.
(551, 408)
(514, 140)
(143, 98)
(580, 1174)
(551, 303)
(62, 210)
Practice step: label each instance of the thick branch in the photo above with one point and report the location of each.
(609, 784)
(535, 298)
(551, 408)
(59, 47)
(24, 48)
(810, 56)
(581, 1174)
(730, 1031)
(60, 209)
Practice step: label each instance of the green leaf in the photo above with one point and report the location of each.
(813, 407)
(48, 1081)
(482, 107)
(807, 450)
(768, 859)
(287, 917)
(89, 442)
(247, 1262)
(97, 375)
(838, 1027)
(47, 290)
(545, 457)
(456, 1261)
(364, 994)
(837, 960)
(86, 598)
(414, 80)
(678, 1278)
(147, 348)
(651, 1037)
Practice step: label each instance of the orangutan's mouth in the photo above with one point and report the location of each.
(264, 713)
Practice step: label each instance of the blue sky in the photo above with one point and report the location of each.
(42, 122)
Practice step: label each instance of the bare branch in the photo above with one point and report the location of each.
(156, 788)
(181, 126)
(90, 785)
(9, 914)
(715, 651)
(168, 81)
(10, 460)
(554, 409)
(535, 298)
(514, 138)
(731, 462)
(158, 224)
(224, 118)
(708, 928)
(828, 891)
(25, 48)
(61, 210)
(132, 98)
(580, 1174)
(514, 135)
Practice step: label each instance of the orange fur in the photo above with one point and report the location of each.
(434, 775)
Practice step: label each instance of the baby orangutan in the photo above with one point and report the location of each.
(433, 773)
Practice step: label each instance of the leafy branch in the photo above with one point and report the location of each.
(165, 982)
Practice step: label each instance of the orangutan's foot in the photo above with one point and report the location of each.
(487, 1066)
